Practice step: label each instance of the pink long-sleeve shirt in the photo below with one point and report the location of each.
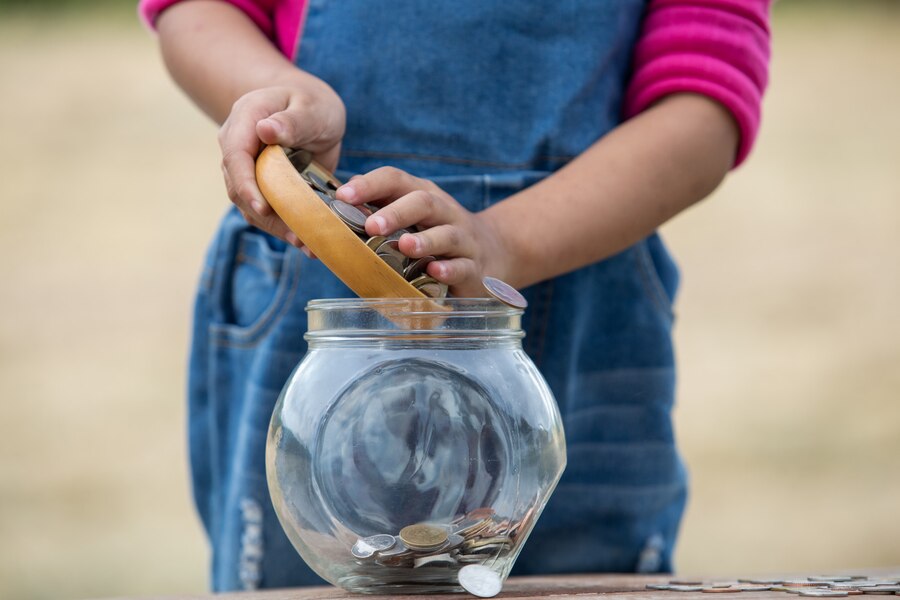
(718, 48)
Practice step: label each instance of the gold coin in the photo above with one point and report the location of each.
(422, 535)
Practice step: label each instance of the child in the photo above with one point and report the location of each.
(502, 125)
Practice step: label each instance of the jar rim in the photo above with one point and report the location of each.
(418, 306)
(335, 318)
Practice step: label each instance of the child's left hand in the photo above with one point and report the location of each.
(467, 243)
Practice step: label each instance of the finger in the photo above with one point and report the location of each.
(442, 240)
(300, 125)
(454, 271)
(416, 208)
(385, 183)
(239, 144)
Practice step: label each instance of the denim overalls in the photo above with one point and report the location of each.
(485, 98)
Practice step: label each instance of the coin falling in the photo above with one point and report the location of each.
(480, 581)
(504, 292)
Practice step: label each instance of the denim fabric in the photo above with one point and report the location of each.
(486, 99)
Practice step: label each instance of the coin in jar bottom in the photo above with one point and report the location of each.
(480, 581)
(422, 535)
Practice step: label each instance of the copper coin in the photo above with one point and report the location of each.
(423, 536)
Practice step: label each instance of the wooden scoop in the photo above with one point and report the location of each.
(348, 257)
(324, 233)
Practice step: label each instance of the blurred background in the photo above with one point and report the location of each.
(788, 330)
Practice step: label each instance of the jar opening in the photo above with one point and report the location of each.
(412, 317)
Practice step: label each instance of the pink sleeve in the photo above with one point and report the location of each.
(719, 48)
(279, 20)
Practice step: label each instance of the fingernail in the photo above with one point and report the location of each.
(417, 244)
(346, 192)
(277, 128)
(306, 251)
(380, 223)
(258, 206)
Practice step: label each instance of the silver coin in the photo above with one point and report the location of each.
(480, 581)
(349, 214)
(830, 578)
(381, 541)
(315, 181)
(879, 589)
(362, 550)
(823, 593)
(417, 267)
(435, 560)
(504, 292)
(685, 588)
(658, 586)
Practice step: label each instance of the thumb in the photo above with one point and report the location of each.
(289, 129)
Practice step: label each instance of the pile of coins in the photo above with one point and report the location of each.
(433, 556)
(354, 217)
(822, 586)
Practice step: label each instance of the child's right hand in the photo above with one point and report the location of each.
(310, 117)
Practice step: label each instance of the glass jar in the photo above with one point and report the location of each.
(416, 437)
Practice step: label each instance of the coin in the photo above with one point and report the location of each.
(830, 578)
(393, 259)
(375, 241)
(429, 286)
(417, 267)
(879, 589)
(315, 181)
(658, 586)
(435, 560)
(823, 593)
(504, 292)
(480, 581)
(349, 214)
(423, 536)
(685, 588)
(719, 590)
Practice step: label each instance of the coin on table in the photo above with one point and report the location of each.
(480, 581)
(349, 214)
(423, 536)
(822, 593)
(675, 587)
(830, 578)
(504, 292)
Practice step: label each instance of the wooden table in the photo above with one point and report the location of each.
(578, 587)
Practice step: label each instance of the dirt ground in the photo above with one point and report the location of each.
(787, 319)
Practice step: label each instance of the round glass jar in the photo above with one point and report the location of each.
(415, 437)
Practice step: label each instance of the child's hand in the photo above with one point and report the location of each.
(311, 117)
(467, 241)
